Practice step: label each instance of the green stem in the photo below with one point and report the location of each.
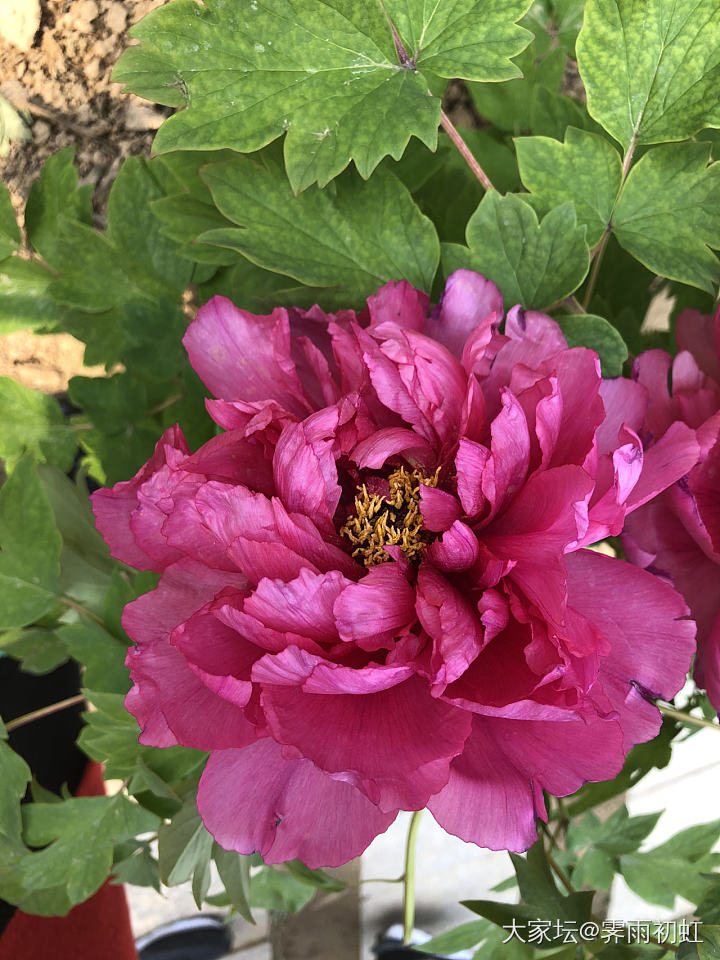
(409, 878)
(687, 718)
(43, 712)
(79, 608)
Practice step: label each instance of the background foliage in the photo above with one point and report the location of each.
(310, 161)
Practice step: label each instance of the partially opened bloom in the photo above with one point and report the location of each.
(677, 535)
(374, 594)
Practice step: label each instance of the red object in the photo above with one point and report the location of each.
(98, 929)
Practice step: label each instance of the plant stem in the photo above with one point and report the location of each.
(687, 718)
(409, 878)
(43, 712)
(596, 254)
(74, 605)
(465, 152)
(599, 251)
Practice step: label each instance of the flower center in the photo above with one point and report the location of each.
(392, 520)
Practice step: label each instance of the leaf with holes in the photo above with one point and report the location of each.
(651, 70)
(671, 231)
(329, 73)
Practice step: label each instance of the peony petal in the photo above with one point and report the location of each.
(625, 404)
(470, 462)
(171, 704)
(240, 356)
(373, 611)
(665, 462)
(469, 302)
(372, 452)
(644, 619)
(507, 465)
(377, 736)
(114, 507)
(700, 334)
(292, 811)
(456, 550)
(451, 622)
(306, 476)
(231, 456)
(400, 303)
(487, 800)
(439, 509)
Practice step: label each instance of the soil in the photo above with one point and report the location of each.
(62, 85)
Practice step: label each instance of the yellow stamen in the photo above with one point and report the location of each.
(394, 520)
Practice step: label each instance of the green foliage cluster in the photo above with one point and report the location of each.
(309, 160)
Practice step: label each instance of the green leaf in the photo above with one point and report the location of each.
(351, 237)
(272, 889)
(56, 194)
(326, 73)
(708, 909)
(31, 420)
(38, 650)
(234, 870)
(139, 868)
(93, 276)
(252, 288)
(24, 300)
(14, 778)
(568, 20)
(588, 330)
(30, 548)
(596, 869)
(184, 845)
(111, 402)
(509, 106)
(9, 231)
(535, 264)
(452, 193)
(74, 517)
(316, 878)
(77, 836)
(101, 654)
(675, 867)
(150, 259)
(183, 218)
(666, 215)
(586, 169)
(463, 937)
(709, 949)
(651, 70)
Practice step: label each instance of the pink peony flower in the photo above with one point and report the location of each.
(374, 594)
(677, 535)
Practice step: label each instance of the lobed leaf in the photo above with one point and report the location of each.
(651, 70)
(30, 548)
(533, 263)
(326, 73)
(667, 214)
(349, 238)
(55, 194)
(31, 420)
(585, 169)
(588, 330)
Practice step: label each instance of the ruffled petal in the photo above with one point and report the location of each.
(292, 811)
(240, 356)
